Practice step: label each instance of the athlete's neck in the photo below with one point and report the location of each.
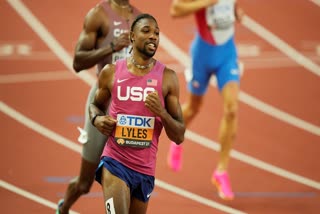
(122, 8)
(121, 4)
(142, 67)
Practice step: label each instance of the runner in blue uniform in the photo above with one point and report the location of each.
(213, 53)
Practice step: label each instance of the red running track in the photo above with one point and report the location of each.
(274, 168)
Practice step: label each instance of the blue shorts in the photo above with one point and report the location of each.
(140, 185)
(208, 60)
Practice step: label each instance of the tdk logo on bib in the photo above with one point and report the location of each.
(136, 121)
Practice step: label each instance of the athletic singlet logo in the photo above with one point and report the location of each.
(234, 72)
(133, 93)
(120, 81)
(115, 23)
(124, 52)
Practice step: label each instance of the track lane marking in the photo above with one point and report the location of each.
(183, 58)
(279, 44)
(168, 45)
(317, 2)
(47, 38)
(205, 142)
(29, 195)
(255, 103)
(210, 144)
(36, 77)
(59, 139)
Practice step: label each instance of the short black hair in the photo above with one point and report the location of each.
(141, 16)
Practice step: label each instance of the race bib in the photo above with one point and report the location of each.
(221, 15)
(134, 131)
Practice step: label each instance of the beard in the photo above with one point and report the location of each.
(145, 52)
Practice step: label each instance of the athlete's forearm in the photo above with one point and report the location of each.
(87, 59)
(239, 12)
(94, 111)
(174, 128)
(184, 8)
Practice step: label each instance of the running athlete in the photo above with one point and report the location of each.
(104, 39)
(144, 97)
(213, 52)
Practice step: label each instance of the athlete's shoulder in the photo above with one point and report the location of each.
(96, 13)
(96, 18)
(168, 70)
(169, 75)
(108, 68)
(106, 76)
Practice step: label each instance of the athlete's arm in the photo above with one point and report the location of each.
(180, 8)
(171, 115)
(95, 27)
(239, 13)
(104, 123)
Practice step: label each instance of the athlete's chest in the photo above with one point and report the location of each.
(220, 15)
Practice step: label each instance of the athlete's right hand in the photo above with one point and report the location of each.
(105, 124)
(121, 42)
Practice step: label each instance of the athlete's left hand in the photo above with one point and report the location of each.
(153, 103)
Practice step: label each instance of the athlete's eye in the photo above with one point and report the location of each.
(145, 29)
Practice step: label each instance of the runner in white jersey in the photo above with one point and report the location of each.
(213, 53)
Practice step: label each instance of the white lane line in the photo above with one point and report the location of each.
(183, 59)
(189, 134)
(39, 128)
(277, 113)
(48, 39)
(205, 142)
(55, 137)
(195, 197)
(36, 77)
(317, 2)
(29, 195)
(255, 103)
(39, 55)
(166, 44)
(280, 45)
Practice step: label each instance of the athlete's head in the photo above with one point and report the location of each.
(144, 34)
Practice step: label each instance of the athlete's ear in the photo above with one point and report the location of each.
(131, 37)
